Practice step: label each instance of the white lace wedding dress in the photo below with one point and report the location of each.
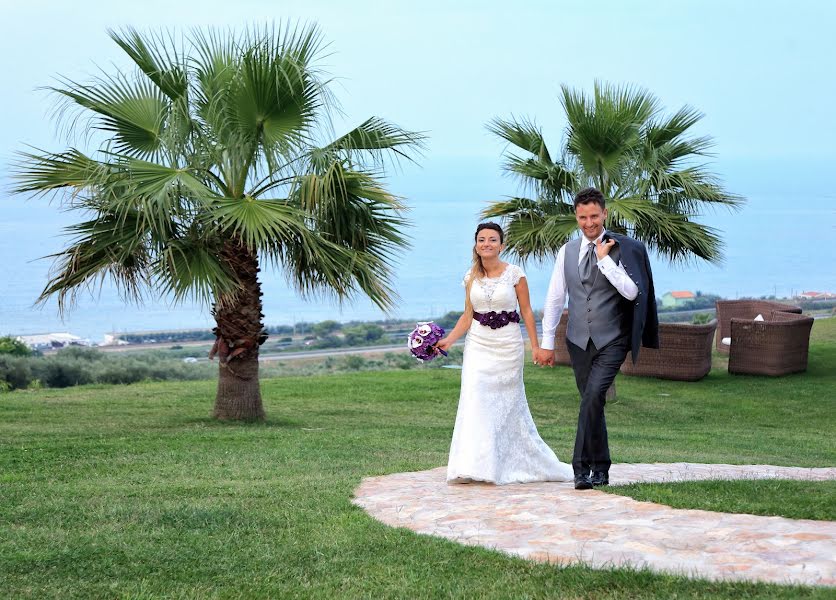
(495, 438)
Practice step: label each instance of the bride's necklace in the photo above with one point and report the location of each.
(493, 273)
(491, 281)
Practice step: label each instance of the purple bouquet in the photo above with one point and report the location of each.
(421, 342)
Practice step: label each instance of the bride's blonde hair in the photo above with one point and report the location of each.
(478, 269)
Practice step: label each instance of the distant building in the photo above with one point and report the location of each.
(816, 296)
(111, 339)
(48, 341)
(674, 299)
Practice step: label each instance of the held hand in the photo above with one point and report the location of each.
(603, 250)
(543, 357)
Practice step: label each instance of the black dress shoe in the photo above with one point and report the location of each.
(583, 482)
(600, 478)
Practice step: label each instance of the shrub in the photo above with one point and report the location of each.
(362, 334)
(14, 347)
(354, 362)
(401, 360)
(449, 320)
(326, 328)
(80, 353)
(62, 370)
(15, 372)
(122, 371)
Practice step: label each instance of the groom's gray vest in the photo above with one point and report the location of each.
(595, 312)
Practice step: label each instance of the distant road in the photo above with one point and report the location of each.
(330, 352)
(340, 351)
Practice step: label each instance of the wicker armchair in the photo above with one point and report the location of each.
(684, 353)
(744, 309)
(777, 346)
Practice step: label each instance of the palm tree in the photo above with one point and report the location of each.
(215, 157)
(646, 165)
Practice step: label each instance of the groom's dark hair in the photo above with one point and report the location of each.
(590, 195)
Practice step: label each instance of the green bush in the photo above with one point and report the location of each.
(449, 320)
(14, 347)
(62, 370)
(326, 328)
(81, 353)
(400, 360)
(123, 371)
(354, 362)
(15, 372)
(360, 335)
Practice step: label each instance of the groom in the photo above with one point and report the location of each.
(612, 310)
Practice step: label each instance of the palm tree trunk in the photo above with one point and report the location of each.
(239, 333)
(239, 393)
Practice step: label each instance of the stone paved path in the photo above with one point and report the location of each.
(550, 522)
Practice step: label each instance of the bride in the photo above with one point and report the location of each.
(495, 439)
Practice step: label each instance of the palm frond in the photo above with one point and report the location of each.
(331, 270)
(671, 234)
(539, 239)
(158, 58)
(106, 247)
(535, 229)
(45, 172)
(259, 223)
(551, 181)
(374, 137)
(523, 134)
(190, 268)
(603, 132)
(664, 131)
(134, 112)
(152, 179)
(353, 210)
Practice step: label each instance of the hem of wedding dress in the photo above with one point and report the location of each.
(465, 479)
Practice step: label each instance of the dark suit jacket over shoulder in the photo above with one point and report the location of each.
(644, 329)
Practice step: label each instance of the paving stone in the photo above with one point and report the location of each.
(552, 522)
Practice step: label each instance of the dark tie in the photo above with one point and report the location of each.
(588, 265)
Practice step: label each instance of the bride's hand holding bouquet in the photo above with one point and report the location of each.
(444, 344)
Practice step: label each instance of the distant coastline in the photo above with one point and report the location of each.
(764, 256)
(308, 335)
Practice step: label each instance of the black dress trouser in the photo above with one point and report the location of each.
(595, 370)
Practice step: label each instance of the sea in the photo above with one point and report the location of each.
(781, 243)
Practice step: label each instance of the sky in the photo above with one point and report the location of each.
(760, 71)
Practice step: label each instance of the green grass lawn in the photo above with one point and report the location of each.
(132, 491)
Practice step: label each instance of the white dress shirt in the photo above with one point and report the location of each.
(556, 296)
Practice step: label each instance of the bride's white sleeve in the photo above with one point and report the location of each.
(516, 274)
